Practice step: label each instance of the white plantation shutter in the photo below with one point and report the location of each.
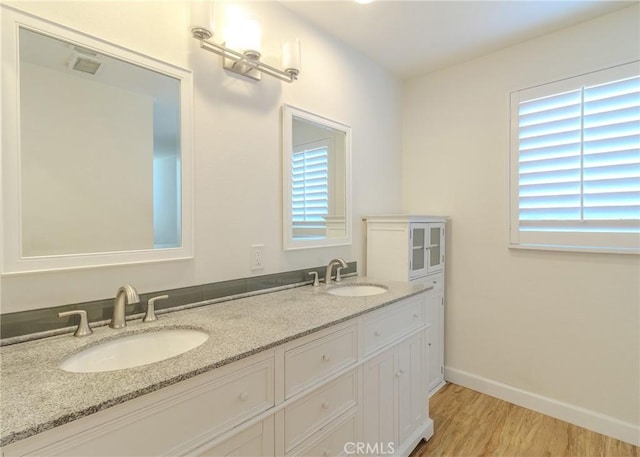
(310, 190)
(576, 163)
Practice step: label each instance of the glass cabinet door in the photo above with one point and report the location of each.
(435, 248)
(419, 244)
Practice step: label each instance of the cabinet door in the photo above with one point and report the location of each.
(418, 248)
(411, 393)
(435, 248)
(435, 339)
(379, 399)
(256, 441)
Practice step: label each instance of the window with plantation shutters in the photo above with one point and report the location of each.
(575, 163)
(310, 190)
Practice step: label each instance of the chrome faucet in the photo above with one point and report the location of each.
(126, 294)
(332, 262)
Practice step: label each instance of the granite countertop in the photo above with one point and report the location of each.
(36, 395)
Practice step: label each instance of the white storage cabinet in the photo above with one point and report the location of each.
(412, 248)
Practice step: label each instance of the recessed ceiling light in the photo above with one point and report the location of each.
(363, 2)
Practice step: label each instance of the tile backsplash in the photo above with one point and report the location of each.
(20, 324)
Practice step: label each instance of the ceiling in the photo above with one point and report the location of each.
(411, 38)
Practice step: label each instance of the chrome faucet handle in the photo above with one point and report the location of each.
(83, 326)
(316, 282)
(338, 277)
(150, 315)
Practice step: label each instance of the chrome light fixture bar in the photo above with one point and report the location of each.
(245, 63)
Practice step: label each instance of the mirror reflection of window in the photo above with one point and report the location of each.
(318, 181)
(316, 161)
(310, 190)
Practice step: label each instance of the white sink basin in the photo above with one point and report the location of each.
(134, 350)
(357, 290)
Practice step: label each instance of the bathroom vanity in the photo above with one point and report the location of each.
(295, 372)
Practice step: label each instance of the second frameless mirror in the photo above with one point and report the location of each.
(316, 184)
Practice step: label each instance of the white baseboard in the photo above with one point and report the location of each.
(600, 423)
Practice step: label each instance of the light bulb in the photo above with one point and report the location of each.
(244, 35)
(291, 55)
(202, 15)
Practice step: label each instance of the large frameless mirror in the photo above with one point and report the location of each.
(98, 155)
(316, 180)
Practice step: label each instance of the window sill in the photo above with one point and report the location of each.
(586, 249)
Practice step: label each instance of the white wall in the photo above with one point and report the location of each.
(544, 328)
(237, 127)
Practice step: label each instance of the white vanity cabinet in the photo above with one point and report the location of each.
(358, 381)
(412, 248)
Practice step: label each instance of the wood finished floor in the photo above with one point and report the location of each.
(471, 424)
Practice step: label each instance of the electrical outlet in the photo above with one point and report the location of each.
(257, 257)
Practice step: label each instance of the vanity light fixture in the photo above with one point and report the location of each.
(247, 62)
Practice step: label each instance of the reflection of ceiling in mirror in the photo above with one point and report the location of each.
(55, 54)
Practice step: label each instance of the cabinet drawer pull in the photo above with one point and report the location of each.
(377, 333)
(399, 373)
(325, 404)
(325, 357)
(416, 315)
(326, 453)
(243, 396)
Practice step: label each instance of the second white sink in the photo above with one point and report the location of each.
(357, 290)
(134, 350)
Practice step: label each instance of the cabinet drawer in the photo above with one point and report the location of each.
(241, 396)
(336, 439)
(436, 281)
(255, 441)
(315, 410)
(316, 359)
(391, 323)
